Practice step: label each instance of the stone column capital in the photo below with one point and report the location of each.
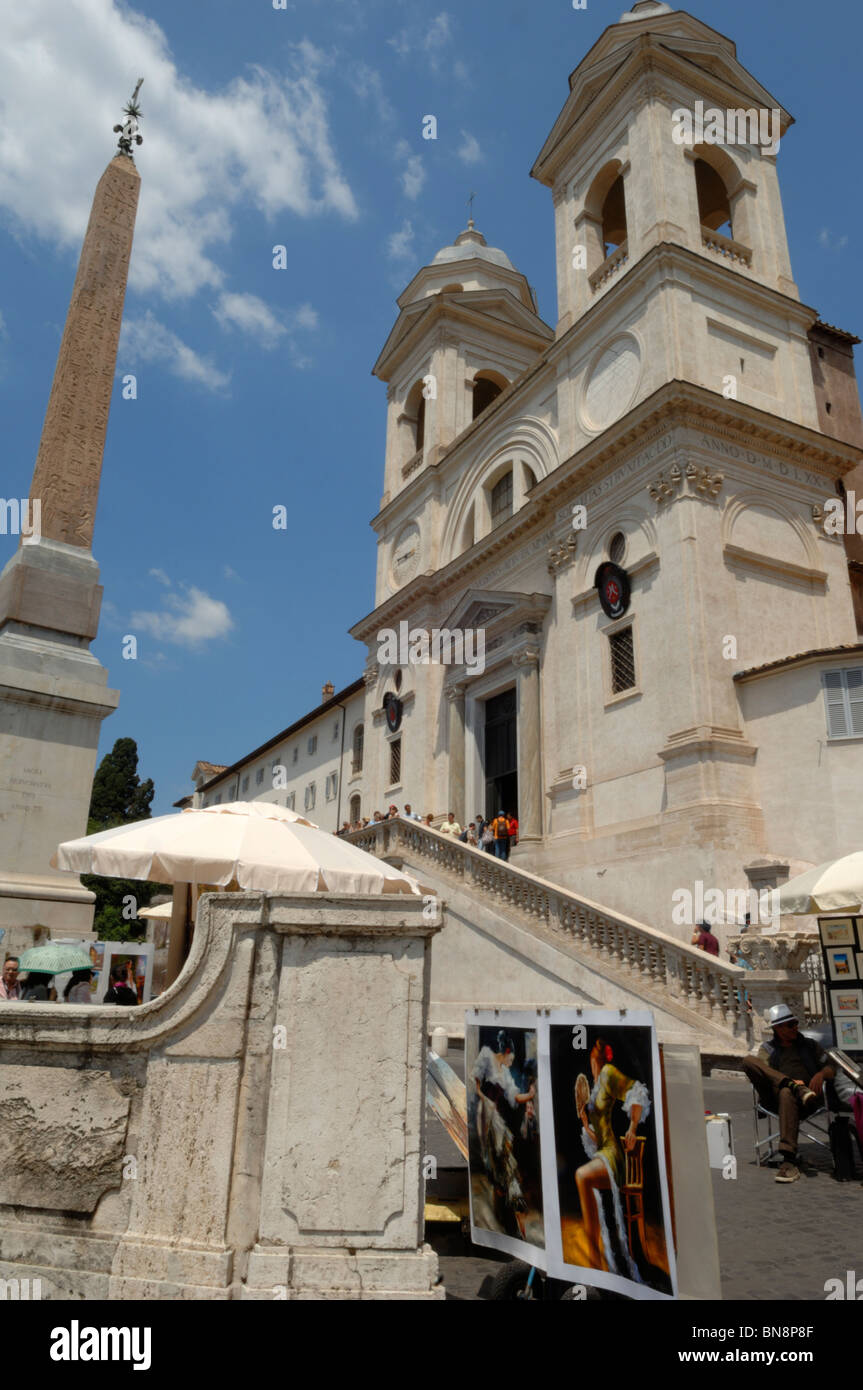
(526, 657)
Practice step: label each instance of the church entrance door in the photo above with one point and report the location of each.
(501, 758)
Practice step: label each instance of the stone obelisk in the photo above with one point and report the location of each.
(53, 691)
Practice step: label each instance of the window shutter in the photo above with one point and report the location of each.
(834, 695)
(855, 699)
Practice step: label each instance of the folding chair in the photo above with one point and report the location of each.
(811, 1127)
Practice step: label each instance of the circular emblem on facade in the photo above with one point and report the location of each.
(405, 555)
(612, 383)
(393, 711)
(612, 585)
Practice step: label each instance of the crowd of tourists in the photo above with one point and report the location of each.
(497, 836)
(36, 986)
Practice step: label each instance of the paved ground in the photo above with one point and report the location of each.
(776, 1241)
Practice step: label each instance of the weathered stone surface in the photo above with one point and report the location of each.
(62, 1137)
(275, 1116)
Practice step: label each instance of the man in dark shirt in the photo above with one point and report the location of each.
(703, 937)
(788, 1073)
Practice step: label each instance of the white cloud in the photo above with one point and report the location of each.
(148, 340)
(429, 38)
(831, 242)
(413, 175)
(305, 317)
(251, 315)
(248, 314)
(161, 576)
(469, 151)
(400, 246)
(262, 140)
(189, 619)
(366, 83)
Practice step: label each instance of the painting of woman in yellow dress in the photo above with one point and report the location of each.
(605, 1168)
(612, 1200)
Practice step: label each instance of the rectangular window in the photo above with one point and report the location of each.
(245, 784)
(313, 743)
(395, 762)
(309, 798)
(218, 800)
(259, 776)
(843, 696)
(296, 752)
(622, 661)
(336, 732)
(501, 501)
(290, 800)
(332, 785)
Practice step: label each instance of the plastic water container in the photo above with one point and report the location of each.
(720, 1141)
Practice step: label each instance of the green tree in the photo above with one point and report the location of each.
(118, 798)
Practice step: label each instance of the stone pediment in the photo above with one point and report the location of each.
(489, 308)
(497, 610)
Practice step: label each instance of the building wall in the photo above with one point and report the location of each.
(809, 783)
(288, 770)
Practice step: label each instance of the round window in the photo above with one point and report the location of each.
(617, 547)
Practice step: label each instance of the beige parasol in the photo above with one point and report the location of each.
(262, 846)
(833, 887)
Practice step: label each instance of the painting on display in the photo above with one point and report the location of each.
(612, 1211)
(566, 1146)
(501, 1064)
(842, 944)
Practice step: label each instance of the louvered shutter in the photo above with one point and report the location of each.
(834, 695)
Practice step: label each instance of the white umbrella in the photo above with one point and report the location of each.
(262, 846)
(833, 887)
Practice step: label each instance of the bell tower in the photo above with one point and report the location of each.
(669, 225)
(467, 329)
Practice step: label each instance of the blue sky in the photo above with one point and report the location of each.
(303, 127)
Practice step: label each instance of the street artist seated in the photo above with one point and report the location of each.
(789, 1074)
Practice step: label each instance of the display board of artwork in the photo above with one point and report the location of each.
(135, 957)
(842, 947)
(566, 1146)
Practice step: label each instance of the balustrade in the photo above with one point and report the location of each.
(652, 959)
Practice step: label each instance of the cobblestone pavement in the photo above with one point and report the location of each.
(776, 1241)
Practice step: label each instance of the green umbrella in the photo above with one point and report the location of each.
(54, 958)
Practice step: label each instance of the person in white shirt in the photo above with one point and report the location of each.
(411, 815)
(451, 825)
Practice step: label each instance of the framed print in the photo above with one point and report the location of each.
(501, 1082)
(849, 1034)
(847, 1001)
(607, 1210)
(859, 958)
(837, 931)
(841, 965)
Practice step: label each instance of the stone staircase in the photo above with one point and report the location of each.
(512, 939)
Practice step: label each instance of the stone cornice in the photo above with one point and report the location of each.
(672, 253)
(447, 309)
(708, 738)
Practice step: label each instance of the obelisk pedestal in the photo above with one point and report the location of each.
(53, 691)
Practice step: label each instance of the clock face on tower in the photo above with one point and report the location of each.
(406, 555)
(612, 383)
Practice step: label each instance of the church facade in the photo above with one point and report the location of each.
(602, 552)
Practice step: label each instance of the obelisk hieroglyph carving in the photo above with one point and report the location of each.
(69, 462)
(53, 691)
